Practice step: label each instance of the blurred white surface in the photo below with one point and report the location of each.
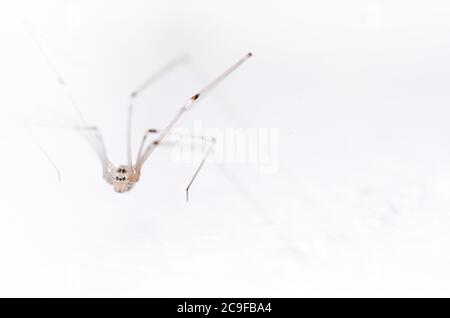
(360, 204)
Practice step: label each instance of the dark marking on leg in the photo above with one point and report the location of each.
(152, 131)
(156, 142)
(195, 97)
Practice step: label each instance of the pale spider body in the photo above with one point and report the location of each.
(121, 179)
(124, 177)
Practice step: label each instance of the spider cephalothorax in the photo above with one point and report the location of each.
(122, 179)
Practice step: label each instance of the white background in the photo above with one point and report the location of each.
(359, 206)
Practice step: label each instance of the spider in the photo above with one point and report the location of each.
(124, 177)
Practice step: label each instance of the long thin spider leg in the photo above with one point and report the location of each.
(220, 78)
(152, 79)
(91, 133)
(98, 145)
(144, 139)
(62, 83)
(42, 149)
(97, 142)
(208, 151)
(186, 106)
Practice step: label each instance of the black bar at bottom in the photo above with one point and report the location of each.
(211, 307)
